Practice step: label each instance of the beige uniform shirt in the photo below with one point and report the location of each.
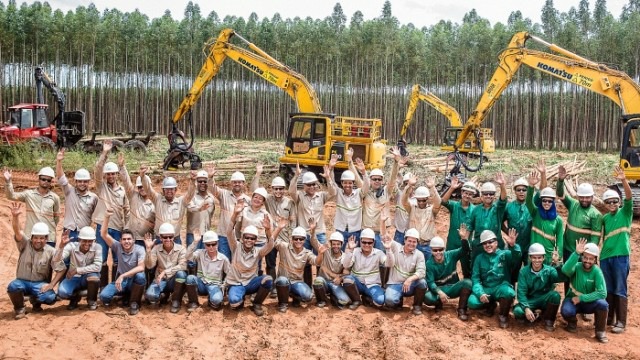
(348, 210)
(405, 264)
(333, 264)
(366, 268)
(401, 218)
(168, 211)
(292, 264)
(78, 208)
(249, 217)
(373, 207)
(113, 197)
(312, 207)
(84, 263)
(170, 262)
(227, 204)
(34, 265)
(199, 221)
(143, 213)
(210, 271)
(40, 208)
(424, 221)
(285, 208)
(244, 264)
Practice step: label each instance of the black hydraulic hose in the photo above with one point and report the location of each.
(465, 164)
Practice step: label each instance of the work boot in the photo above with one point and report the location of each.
(503, 316)
(621, 315)
(586, 317)
(367, 300)
(192, 295)
(296, 301)
(104, 276)
(321, 295)
(307, 276)
(283, 297)
(572, 324)
(176, 297)
(73, 302)
(601, 326)
(438, 306)
(258, 300)
(462, 304)
(611, 315)
(490, 308)
(36, 306)
(17, 299)
(135, 298)
(549, 316)
(191, 270)
(418, 298)
(92, 294)
(215, 307)
(354, 295)
(273, 293)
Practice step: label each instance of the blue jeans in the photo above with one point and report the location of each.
(347, 235)
(336, 291)
(165, 286)
(237, 292)
(394, 294)
(73, 235)
(69, 286)
(375, 292)
(616, 271)
(213, 291)
(569, 310)
(399, 237)
(32, 288)
(425, 249)
(297, 289)
(109, 291)
(116, 235)
(223, 246)
(190, 239)
(378, 243)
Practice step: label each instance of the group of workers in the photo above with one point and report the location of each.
(508, 251)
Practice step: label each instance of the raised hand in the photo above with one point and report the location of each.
(349, 155)
(60, 155)
(444, 298)
(430, 181)
(205, 205)
(541, 167)
(322, 248)
(259, 168)
(555, 257)
(121, 159)
(413, 180)
(211, 170)
(562, 172)
(619, 173)
(7, 174)
(266, 222)
(351, 244)
(500, 179)
(580, 245)
(108, 212)
(455, 182)
(283, 222)
(298, 170)
(193, 175)
(387, 241)
(327, 172)
(360, 166)
(239, 206)
(143, 170)
(397, 155)
(333, 161)
(107, 145)
(148, 241)
(511, 237)
(64, 239)
(533, 178)
(16, 208)
(463, 232)
(312, 224)
(403, 161)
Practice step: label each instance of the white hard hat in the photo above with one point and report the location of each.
(47, 171)
(368, 234)
(202, 174)
(520, 182)
(437, 242)
(169, 183)
(421, 193)
(262, 192)
(309, 178)
(237, 176)
(414, 233)
(299, 232)
(110, 167)
(592, 249)
(278, 182)
(82, 175)
(250, 230)
(488, 187)
(336, 236)
(487, 235)
(406, 177)
(610, 194)
(585, 189)
(40, 229)
(376, 172)
(536, 249)
(209, 237)
(469, 186)
(348, 175)
(139, 180)
(87, 233)
(548, 193)
(166, 229)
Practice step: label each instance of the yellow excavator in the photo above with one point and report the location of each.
(567, 66)
(313, 135)
(484, 144)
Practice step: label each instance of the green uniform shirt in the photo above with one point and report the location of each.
(486, 219)
(518, 217)
(548, 233)
(581, 222)
(589, 286)
(532, 285)
(491, 270)
(457, 216)
(616, 230)
(445, 272)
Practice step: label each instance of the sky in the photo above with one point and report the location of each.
(419, 12)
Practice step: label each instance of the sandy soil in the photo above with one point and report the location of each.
(300, 333)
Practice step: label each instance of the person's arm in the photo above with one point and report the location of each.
(542, 173)
(62, 179)
(8, 188)
(321, 251)
(124, 175)
(95, 266)
(435, 196)
(533, 210)
(18, 234)
(181, 265)
(98, 173)
(359, 172)
(569, 268)
(600, 291)
(191, 190)
(455, 185)
(293, 184)
(146, 185)
(388, 259)
(503, 186)
(431, 281)
(255, 183)
(407, 193)
(139, 268)
(391, 184)
(104, 230)
(477, 288)
(231, 236)
(151, 255)
(421, 269)
(191, 250)
(523, 289)
(596, 228)
(559, 236)
(62, 252)
(266, 223)
(57, 277)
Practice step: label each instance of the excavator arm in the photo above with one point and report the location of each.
(42, 78)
